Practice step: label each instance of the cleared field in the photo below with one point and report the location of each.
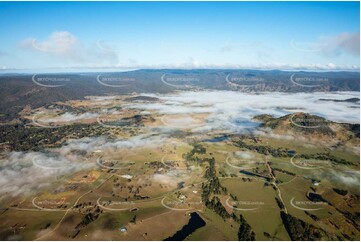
(263, 214)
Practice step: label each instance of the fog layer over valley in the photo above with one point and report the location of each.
(226, 112)
(233, 111)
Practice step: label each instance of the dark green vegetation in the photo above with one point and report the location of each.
(340, 191)
(283, 152)
(245, 232)
(262, 149)
(300, 230)
(22, 138)
(141, 98)
(197, 149)
(90, 215)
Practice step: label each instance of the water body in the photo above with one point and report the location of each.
(195, 222)
(291, 152)
(216, 139)
(253, 174)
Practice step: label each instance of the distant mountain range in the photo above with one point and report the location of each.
(19, 90)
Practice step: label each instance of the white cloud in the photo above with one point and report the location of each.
(60, 42)
(245, 155)
(258, 66)
(331, 46)
(342, 43)
(69, 117)
(48, 119)
(351, 178)
(63, 46)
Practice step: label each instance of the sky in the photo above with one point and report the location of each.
(132, 35)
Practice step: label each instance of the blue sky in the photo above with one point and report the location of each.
(260, 35)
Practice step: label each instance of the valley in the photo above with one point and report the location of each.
(137, 166)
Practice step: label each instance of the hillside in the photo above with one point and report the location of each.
(310, 126)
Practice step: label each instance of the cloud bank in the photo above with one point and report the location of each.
(233, 111)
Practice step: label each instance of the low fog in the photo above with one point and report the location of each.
(26, 173)
(233, 111)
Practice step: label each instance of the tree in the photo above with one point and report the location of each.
(245, 232)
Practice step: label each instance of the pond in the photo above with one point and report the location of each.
(216, 139)
(195, 222)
